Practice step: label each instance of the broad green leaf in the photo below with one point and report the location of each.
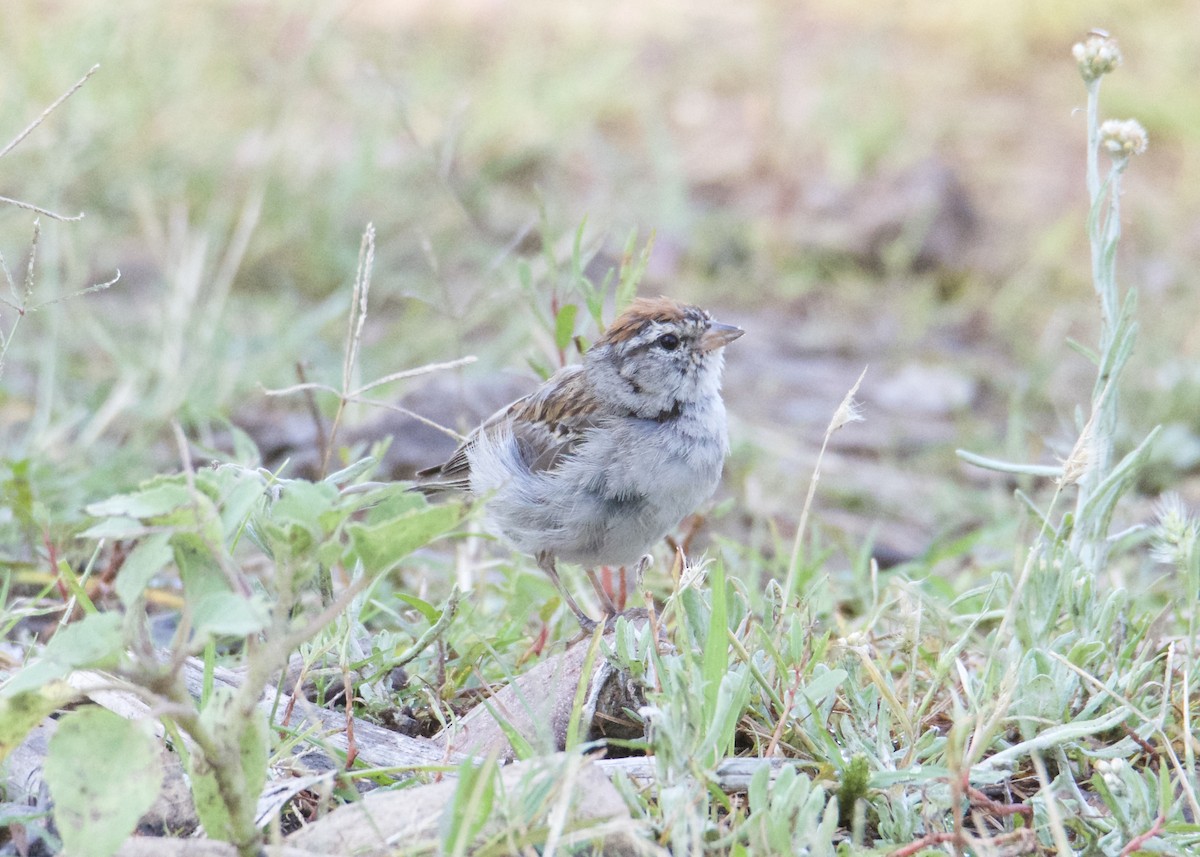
(239, 502)
(914, 776)
(158, 499)
(20, 712)
(300, 519)
(303, 503)
(199, 515)
(390, 501)
(115, 528)
(103, 772)
(198, 569)
(41, 673)
(824, 684)
(146, 560)
(229, 613)
(95, 641)
(758, 790)
(381, 546)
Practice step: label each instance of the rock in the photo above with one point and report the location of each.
(926, 389)
(537, 706)
(533, 790)
(921, 218)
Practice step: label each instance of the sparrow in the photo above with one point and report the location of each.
(607, 456)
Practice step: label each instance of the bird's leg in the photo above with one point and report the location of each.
(606, 602)
(545, 562)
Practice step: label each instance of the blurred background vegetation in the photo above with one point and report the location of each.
(853, 183)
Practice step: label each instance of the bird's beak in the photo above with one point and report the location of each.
(718, 336)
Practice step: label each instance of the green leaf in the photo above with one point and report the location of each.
(732, 697)
(146, 560)
(389, 501)
(823, 685)
(115, 529)
(303, 504)
(20, 712)
(716, 643)
(198, 568)
(564, 326)
(95, 641)
(521, 747)
(103, 772)
(18, 493)
(229, 613)
(75, 586)
(381, 546)
(758, 790)
(351, 472)
(696, 615)
(431, 613)
(239, 503)
(467, 812)
(158, 499)
(300, 521)
(632, 269)
(578, 275)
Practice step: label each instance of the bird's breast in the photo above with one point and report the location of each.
(677, 462)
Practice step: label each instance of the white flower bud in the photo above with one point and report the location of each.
(1123, 138)
(1097, 55)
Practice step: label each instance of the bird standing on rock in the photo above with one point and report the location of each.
(607, 456)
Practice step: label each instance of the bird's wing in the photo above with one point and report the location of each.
(546, 424)
(549, 424)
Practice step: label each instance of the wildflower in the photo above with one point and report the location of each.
(1123, 138)
(1097, 55)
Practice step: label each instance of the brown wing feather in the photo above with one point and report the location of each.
(547, 424)
(552, 421)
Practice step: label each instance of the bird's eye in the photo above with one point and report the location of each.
(668, 342)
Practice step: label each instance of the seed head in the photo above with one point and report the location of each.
(1124, 137)
(1080, 460)
(849, 411)
(1177, 532)
(1096, 55)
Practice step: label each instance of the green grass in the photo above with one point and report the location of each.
(1023, 685)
